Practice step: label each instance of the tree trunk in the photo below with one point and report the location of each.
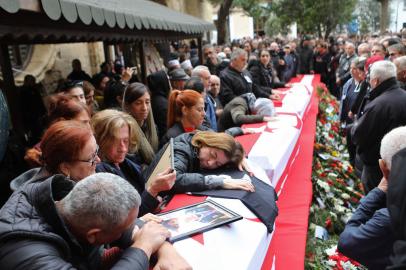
(221, 24)
(384, 15)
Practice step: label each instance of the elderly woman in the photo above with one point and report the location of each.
(206, 150)
(116, 134)
(68, 148)
(137, 102)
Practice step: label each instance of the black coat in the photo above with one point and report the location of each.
(131, 172)
(235, 83)
(264, 76)
(159, 86)
(321, 66)
(383, 109)
(187, 167)
(397, 208)
(305, 59)
(33, 236)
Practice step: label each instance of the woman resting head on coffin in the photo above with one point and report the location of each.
(205, 151)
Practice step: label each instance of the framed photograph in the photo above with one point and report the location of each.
(196, 218)
(164, 162)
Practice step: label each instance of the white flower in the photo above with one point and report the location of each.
(331, 263)
(331, 251)
(345, 196)
(348, 265)
(323, 185)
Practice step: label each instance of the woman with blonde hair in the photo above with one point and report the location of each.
(137, 103)
(206, 150)
(117, 136)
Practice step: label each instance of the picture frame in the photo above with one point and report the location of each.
(196, 218)
(166, 160)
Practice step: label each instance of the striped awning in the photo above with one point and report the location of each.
(121, 14)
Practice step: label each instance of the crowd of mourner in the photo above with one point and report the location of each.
(87, 201)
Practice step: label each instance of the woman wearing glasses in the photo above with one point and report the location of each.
(68, 148)
(116, 134)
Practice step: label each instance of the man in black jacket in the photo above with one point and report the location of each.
(383, 109)
(236, 80)
(57, 224)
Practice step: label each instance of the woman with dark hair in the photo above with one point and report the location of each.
(185, 113)
(206, 150)
(264, 75)
(117, 135)
(113, 95)
(137, 102)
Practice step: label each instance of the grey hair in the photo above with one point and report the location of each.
(398, 47)
(349, 43)
(237, 53)
(392, 142)
(401, 63)
(359, 62)
(198, 70)
(383, 70)
(101, 200)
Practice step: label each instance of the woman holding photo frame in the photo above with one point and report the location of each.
(206, 150)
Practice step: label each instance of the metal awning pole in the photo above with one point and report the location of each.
(142, 62)
(200, 47)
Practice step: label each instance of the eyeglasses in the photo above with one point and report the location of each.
(93, 159)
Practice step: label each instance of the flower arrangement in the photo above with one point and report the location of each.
(336, 189)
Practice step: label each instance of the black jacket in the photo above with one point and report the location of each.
(397, 208)
(305, 59)
(187, 167)
(264, 77)
(321, 66)
(159, 86)
(234, 83)
(33, 236)
(131, 172)
(384, 110)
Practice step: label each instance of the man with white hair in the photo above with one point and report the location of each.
(236, 80)
(203, 73)
(60, 224)
(368, 236)
(382, 109)
(364, 50)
